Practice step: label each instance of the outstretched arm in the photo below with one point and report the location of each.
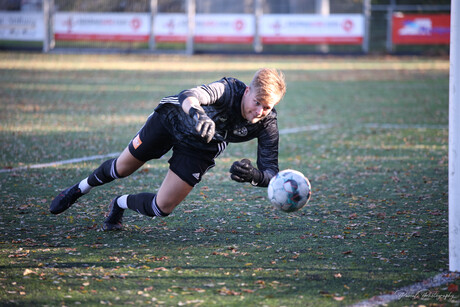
(267, 160)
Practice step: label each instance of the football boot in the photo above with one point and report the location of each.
(65, 199)
(114, 217)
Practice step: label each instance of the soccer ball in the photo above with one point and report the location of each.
(289, 190)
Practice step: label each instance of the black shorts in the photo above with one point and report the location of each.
(154, 140)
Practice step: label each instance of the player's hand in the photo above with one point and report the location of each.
(203, 124)
(243, 171)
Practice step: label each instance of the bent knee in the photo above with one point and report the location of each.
(127, 164)
(125, 172)
(167, 206)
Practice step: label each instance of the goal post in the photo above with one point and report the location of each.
(454, 139)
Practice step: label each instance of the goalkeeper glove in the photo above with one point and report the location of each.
(205, 126)
(243, 171)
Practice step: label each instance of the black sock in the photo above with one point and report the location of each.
(145, 203)
(105, 173)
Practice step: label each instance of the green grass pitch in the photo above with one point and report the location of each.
(377, 220)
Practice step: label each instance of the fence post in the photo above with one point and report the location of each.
(322, 7)
(191, 13)
(258, 11)
(153, 14)
(367, 23)
(46, 22)
(390, 10)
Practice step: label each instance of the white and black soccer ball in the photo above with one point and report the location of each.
(289, 190)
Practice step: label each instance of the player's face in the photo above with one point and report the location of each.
(253, 110)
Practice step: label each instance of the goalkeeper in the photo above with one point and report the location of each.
(197, 124)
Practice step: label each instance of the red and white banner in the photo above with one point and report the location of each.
(312, 29)
(22, 26)
(225, 28)
(212, 28)
(209, 28)
(170, 28)
(102, 26)
(411, 29)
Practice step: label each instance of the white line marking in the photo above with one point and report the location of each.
(404, 126)
(282, 132)
(52, 164)
(305, 128)
(409, 291)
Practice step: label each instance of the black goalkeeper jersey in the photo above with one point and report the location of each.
(221, 101)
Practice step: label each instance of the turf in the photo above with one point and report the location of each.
(377, 220)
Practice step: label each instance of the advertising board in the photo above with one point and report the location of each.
(209, 28)
(102, 26)
(312, 29)
(428, 29)
(22, 26)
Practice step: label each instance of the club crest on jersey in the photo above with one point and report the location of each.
(243, 131)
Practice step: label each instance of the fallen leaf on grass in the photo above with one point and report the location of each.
(226, 291)
(353, 216)
(28, 272)
(196, 302)
(199, 290)
(220, 253)
(19, 254)
(155, 258)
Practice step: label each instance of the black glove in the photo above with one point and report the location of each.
(203, 124)
(243, 171)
